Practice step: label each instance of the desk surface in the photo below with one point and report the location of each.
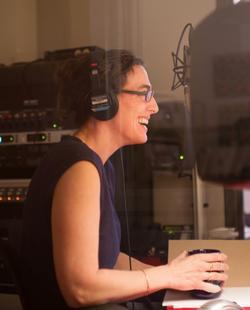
(180, 299)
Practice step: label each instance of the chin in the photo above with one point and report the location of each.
(141, 140)
(137, 141)
(138, 138)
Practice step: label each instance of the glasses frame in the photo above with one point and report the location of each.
(148, 94)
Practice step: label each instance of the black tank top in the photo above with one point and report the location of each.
(38, 270)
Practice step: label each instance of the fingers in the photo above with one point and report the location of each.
(207, 262)
(209, 287)
(215, 276)
(213, 262)
(217, 266)
(195, 271)
(211, 267)
(213, 257)
(212, 270)
(213, 282)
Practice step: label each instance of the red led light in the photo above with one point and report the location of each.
(93, 64)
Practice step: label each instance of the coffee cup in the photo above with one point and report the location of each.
(200, 293)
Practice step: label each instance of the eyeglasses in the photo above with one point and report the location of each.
(148, 94)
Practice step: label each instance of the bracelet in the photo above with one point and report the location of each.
(147, 281)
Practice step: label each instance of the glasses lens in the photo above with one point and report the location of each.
(149, 95)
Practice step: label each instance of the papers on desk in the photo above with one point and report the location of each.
(178, 299)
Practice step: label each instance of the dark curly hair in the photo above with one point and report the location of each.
(74, 82)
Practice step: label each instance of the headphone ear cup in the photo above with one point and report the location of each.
(110, 109)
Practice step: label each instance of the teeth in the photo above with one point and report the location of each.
(143, 121)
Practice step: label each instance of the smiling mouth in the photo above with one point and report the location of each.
(143, 121)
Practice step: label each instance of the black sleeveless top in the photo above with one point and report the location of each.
(38, 271)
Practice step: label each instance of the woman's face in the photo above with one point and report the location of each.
(134, 111)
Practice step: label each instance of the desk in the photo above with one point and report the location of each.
(178, 299)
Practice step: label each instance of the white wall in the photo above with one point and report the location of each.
(62, 24)
(28, 28)
(116, 24)
(18, 31)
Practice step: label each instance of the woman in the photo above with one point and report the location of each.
(71, 256)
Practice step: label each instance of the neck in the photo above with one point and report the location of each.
(99, 137)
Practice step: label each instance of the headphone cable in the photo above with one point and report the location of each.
(125, 209)
(147, 300)
(126, 215)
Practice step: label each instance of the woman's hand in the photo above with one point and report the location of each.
(190, 272)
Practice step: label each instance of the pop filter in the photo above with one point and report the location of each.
(220, 96)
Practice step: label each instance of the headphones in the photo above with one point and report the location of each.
(104, 103)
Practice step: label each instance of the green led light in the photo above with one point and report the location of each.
(181, 157)
(54, 125)
(11, 139)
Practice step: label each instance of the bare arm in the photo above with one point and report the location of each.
(75, 234)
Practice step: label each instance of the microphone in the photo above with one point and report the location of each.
(181, 66)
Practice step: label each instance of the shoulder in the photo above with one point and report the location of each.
(84, 168)
(82, 178)
(68, 153)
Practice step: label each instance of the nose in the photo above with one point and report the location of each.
(153, 106)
